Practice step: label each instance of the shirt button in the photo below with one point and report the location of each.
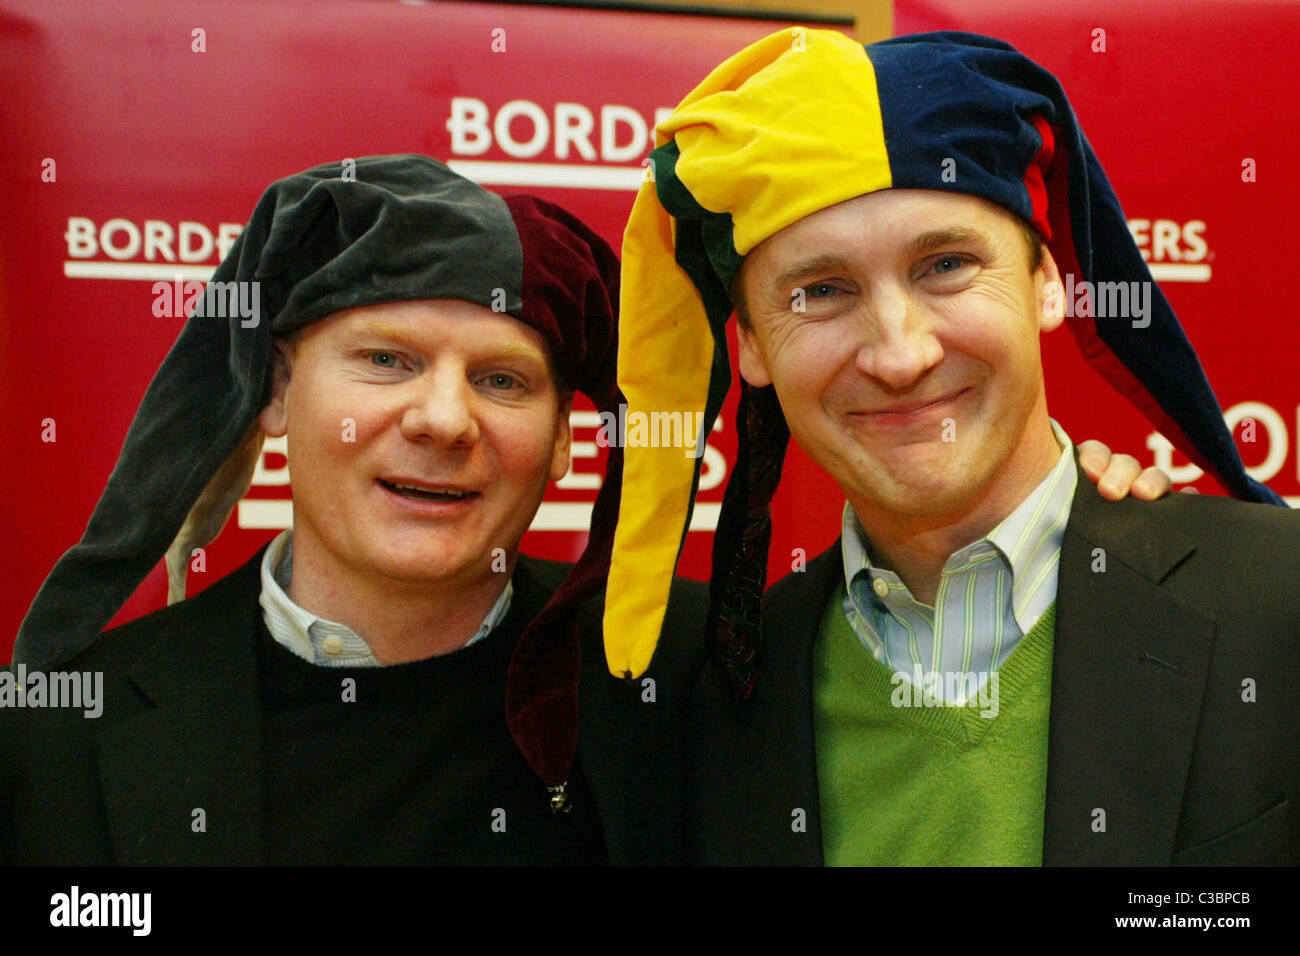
(333, 644)
(880, 586)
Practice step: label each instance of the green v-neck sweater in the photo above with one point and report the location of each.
(917, 785)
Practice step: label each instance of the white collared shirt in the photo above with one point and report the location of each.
(323, 642)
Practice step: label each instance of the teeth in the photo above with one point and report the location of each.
(450, 492)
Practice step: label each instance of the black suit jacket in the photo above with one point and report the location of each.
(181, 728)
(1147, 720)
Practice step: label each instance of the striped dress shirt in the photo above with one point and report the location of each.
(990, 594)
(323, 642)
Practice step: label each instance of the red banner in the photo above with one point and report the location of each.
(139, 135)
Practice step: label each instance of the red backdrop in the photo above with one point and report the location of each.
(158, 152)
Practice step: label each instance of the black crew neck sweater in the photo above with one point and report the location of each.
(418, 769)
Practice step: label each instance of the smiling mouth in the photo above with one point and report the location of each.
(427, 494)
(911, 408)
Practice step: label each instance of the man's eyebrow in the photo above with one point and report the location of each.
(380, 330)
(491, 351)
(951, 236)
(515, 350)
(828, 262)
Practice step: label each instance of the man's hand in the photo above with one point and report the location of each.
(1117, 475)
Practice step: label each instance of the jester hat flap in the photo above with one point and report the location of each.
(791, 125)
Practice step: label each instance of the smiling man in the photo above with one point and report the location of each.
(455, 422)
(391, 681)
(991, 666)
(956, 301)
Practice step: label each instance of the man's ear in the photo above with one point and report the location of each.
(274, 417)
(1051, 293)
(563, 439)
(753, 367)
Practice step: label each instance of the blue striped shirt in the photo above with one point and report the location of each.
(990, 593)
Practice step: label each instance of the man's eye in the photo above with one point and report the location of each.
(501, 380)
(949, 264)
(383, 359)
(822, 290)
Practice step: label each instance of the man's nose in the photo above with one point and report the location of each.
(898, 344)
(441, 406)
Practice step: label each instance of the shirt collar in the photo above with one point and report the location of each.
(322, 642)
(1029, 538)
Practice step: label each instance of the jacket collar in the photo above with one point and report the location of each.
(792, 613)
(182, 780)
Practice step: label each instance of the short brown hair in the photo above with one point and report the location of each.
(1035, 243)
(736, 291)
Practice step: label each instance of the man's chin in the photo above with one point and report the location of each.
(920, 492)
(433, 567)
(914, 502)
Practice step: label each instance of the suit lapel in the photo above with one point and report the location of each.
(198, 748)
(630, 765)
(1128, 673)
(782, 727)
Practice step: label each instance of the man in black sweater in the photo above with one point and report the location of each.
(390, 681)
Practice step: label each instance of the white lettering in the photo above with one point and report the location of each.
(188, 232)
(573, 125)
(468, 126)
(111, 228)
(158, 238)
(535, 115)
(624, 132)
